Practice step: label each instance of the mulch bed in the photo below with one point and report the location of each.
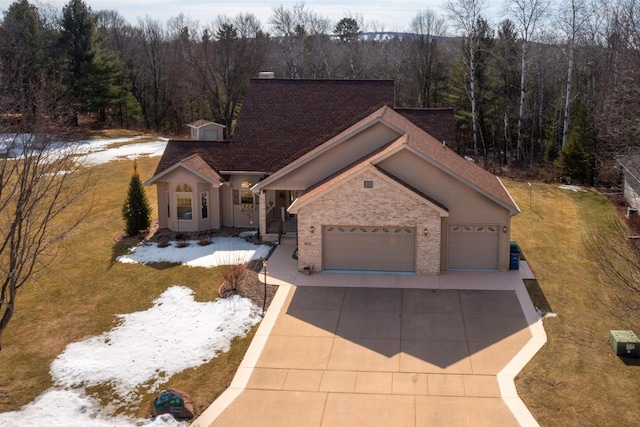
(251, 287)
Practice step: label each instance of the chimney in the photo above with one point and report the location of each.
(266, 75)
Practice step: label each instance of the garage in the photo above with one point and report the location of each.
(369, 248)
(473, 247)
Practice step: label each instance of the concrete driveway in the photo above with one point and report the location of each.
(380, 356)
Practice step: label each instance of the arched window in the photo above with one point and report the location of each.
(184, 198)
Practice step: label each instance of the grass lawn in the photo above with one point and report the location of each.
(575, 379)
(82, 292)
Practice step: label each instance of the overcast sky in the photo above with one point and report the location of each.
(394, 15)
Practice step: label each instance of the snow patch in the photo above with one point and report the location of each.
(103, 154)
(545, 314)
(175, 334)
(573, 188)
(223, 251)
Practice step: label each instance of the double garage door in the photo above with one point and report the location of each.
(369, 248)
(473, 247)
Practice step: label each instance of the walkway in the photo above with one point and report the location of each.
(361, 349)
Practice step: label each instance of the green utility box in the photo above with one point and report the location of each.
(624, 343)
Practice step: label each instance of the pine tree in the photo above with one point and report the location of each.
(136, 210)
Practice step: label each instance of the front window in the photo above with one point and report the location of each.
(183, 202)
(244, 197)
(204, 205)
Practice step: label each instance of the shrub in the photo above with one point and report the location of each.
(136, 210)
(182, 241)
(233, 276)
(204, 239)
(163, 241)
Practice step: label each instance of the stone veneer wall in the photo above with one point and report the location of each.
(262, 212)
(383, 205)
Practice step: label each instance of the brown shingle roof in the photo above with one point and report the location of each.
(438, 122)
(219, 155)
(197, 164)
(284, 119)
(281, 120)
(449, 160)
(199, 123)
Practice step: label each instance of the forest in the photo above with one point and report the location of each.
(552, 91)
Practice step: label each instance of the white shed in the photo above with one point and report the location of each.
(204, 130)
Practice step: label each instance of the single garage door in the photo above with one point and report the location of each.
(369, 248)
(473, 247)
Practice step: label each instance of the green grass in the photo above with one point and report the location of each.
(81, 294)
(575, 379)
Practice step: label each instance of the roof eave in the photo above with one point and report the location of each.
(165, 172)
(328, 145)
(513, 209)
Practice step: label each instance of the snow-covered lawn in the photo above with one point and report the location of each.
(223, 251)
(145, 349)
(99, 151)
(94, 151)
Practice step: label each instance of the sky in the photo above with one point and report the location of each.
(394, 15)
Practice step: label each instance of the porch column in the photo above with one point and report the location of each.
(262, 214)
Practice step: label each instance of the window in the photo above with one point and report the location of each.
(183, 202)
(168, 206)
(204, 205)
(244, 197)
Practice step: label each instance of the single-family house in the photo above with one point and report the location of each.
(361, 185)
(631, 176)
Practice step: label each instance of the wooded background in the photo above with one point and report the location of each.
(552, 90)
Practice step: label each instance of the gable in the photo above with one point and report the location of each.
(331, 157)
(365, 179)
(465, 203)
(193, 165)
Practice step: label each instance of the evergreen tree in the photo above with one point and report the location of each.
(77, 41)
(347, 30)
(136, 210)
(575, 160)
(21, 59)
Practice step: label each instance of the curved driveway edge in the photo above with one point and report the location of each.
(282, 274)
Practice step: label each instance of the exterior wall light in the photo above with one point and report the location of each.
(312, 229)
(426, 232)
(504, 229)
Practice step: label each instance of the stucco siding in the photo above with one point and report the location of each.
(383, 205)
(226, 201)
(336, 159)
(466, 205)
(162, 188)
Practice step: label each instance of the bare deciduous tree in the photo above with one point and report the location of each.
(466, 15)
(423, 56)
(41, 185)
(573, 17)
(527, 16)
(618, 260)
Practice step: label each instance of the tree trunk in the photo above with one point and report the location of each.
(567, 105)
(472, 86)
(7, 313)
(523, 63)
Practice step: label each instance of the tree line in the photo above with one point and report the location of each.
(550, 88)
